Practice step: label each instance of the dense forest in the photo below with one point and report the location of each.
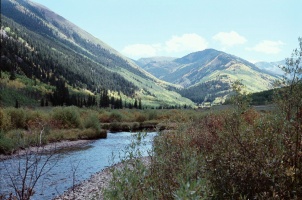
(39, 58)
(35, 21)
(41, 47)
(206, 92)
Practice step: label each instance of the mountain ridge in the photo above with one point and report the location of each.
(198, 69)
(87, 57)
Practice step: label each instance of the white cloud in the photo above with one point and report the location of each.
(268, 47)
(186, 43)
(229, 39)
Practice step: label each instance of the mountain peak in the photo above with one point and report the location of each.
(203, 66)
(198, 56)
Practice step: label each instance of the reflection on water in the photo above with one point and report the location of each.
(81, 162)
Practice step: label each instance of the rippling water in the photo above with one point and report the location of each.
(80, 163)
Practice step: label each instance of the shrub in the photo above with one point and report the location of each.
(92, 134)
(104, 116)
(115, 117)
(244, 161)
(68, 116)
(152, 114)
(18, 118)
(174, 167)
(92, 121)
(5, 120)
(6, 144)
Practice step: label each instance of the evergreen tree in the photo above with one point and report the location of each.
(12, 75)
(140, 104)
(120, 103)
(42, 102)
(112, 102)
(104, 99)
(17, 104)
(135, 103)
(61, 94)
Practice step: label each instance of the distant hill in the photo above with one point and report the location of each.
(158, 66)
(271, 67)
(43, 46)
(207, 75)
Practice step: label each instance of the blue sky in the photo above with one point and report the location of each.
(256, 30)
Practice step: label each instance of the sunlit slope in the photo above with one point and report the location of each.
(78, 57)
(208, 75)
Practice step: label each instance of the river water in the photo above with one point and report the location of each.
(71, 166)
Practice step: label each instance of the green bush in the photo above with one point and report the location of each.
(6, 144)
(174, 166)
(69, 117)
(152, 114)
(92, 121)
(5, 120)
(18, 118)
(115, 116)
(92, 134)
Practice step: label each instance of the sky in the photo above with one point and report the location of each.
(255, 30)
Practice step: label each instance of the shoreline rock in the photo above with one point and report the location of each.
(64, 144)
(92, 188)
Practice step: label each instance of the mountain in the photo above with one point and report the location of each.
(207, 75)
(271, 67)
(158, 66)
(43, 46)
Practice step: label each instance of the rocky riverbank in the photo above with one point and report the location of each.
(48, 148)
(93, 187)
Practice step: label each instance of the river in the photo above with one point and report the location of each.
(71, 166)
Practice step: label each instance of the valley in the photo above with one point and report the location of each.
(53, 52)
(219, 123)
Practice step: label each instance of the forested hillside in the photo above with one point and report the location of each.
(25, 52)
(39, 45)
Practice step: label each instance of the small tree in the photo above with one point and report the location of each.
(240, 99)
(289, 101)
(28, 167)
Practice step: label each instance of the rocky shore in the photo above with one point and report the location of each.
(93, 187)
(48, 148)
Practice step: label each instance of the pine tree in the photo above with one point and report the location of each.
(17, 104)
(42, 102)
(140, 104)
(61, 94)
(135, 103)
(12, 75)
